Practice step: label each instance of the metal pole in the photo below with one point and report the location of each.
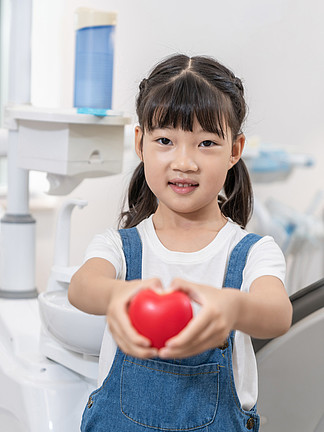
(17, 255)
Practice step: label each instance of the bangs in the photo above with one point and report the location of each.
(187, 97)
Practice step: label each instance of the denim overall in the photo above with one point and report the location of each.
(193, 394)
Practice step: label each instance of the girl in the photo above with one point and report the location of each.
(189, 201)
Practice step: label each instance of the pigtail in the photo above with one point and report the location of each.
(141, 200)
(238, 201)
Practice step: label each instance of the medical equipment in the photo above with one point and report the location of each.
(300, 235)
(46, 376)
(290, 368)
(269, 163)
(291, 374)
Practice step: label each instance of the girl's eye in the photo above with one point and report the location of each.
(207, 143)
(164, 141)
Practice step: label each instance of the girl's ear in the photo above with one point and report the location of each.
(237, 150)
(138, 142)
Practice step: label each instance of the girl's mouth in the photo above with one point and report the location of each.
(183, 187)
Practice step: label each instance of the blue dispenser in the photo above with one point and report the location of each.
(94, 60)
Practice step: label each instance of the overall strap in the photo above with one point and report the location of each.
(237, 261)
(236, 264)
(132, 246)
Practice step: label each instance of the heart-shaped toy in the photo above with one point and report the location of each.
(159, 316)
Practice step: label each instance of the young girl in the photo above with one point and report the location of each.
(189, 201)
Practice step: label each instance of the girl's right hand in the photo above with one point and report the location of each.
(125, 335)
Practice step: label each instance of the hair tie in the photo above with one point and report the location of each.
(143, 84)
(239, 84)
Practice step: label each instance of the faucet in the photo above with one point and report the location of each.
(61, 272)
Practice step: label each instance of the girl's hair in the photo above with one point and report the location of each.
(179, 90)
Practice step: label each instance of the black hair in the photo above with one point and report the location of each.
(179, 90)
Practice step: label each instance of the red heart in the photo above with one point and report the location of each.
(159, 317)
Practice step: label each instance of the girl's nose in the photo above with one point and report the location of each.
(183, 161)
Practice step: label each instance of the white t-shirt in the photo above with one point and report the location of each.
(206, 266)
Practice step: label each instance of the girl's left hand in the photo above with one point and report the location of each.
(210, 327)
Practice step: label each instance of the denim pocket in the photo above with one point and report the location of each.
(169, 396)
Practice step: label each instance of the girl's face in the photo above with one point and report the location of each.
(187, 170)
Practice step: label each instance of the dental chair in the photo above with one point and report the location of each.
(291, 368)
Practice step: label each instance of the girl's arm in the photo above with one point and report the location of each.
(91, 286)
(264, 312)
(94, 289)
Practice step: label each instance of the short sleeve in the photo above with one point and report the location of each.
(108, 246)
(265, 259)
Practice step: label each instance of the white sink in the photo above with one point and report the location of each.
(73, 329)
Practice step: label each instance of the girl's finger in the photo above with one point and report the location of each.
(137, 346)
(193, 330)
(122, 326)
(207, 340)
(200, 333)
(189, 288)
(153, 283)
(135, 350)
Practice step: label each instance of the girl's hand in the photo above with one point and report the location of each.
(210, 327)
(126, 337)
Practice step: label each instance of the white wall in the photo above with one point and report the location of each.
(275, 46)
